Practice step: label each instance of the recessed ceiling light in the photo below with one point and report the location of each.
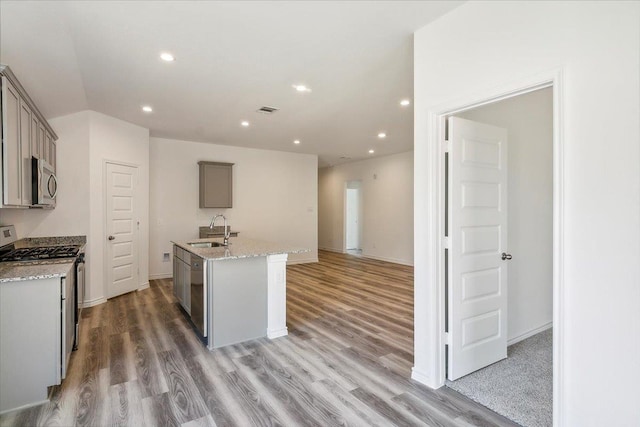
(372, 151)
(382, 135)
(166, 56)
(405, 102)
(147, 109)
(297, 141)
(301, 88)
(245, 123)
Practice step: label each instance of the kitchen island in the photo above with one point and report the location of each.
(232, 293)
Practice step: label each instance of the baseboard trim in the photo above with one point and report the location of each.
(277, 333)
(391, 260)
(339, 251)
(143, 286)
(93, 302)
(20, 408)
(423, 378)
(160, 276)
(529, 333)
(365, 255)
(302, 261)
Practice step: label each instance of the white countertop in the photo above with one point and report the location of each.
(239, 247)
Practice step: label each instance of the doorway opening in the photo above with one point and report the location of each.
(499, 228)
(353, 218)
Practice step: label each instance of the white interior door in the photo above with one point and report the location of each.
(477, 274)
(121, 229)
(353, 226)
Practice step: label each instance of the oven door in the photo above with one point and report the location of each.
(43, 182)
(80, 291)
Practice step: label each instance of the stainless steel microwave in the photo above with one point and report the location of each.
(43, 183)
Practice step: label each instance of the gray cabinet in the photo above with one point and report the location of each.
(216, 185)
(182, 277)
(25, 151)
(50, 149)
(52, 155)
(11, 152)
(37, 327)
(41, 145)
(25, 133)
(35, 131)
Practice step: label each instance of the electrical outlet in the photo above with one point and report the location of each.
(165, 257)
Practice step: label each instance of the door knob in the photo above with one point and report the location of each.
(506, 256)
(113, 238)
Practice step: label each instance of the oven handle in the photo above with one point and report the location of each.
(55, 182)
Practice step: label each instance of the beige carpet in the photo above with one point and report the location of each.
(519, 387)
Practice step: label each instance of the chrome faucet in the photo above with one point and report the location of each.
(227, 234)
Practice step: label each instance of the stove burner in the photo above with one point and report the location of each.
(41, 253)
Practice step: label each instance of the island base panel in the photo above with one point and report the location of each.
(237, 301)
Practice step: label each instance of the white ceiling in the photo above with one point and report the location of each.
(231, 59)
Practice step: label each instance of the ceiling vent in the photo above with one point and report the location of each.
(267, 110)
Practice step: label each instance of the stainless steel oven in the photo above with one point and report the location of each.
(44, 184)
(80, 292)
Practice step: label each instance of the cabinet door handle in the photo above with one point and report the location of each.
(506, 256)
(111, 238)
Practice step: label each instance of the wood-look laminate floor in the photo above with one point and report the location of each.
(346, 361)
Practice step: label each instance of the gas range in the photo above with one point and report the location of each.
(38, 253)
(36, 249)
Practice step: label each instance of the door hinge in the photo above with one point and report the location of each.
(445, 242)
(447, 338)
(446, 146)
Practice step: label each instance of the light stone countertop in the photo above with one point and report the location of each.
(34, 270)
(44, 269)
(36, 242)
(239, 247)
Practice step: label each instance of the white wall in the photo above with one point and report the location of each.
(85, 140)
(482, 46)
(387, 206)
(71, 215)
(274, 197)
(529, 121)
(119, 141)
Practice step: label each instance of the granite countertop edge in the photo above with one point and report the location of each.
(239, 248)
(35, 270)
(18, 271)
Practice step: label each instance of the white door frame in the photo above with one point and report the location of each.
(349, 227)
(344, 213)
(431, 297)
(136, 209)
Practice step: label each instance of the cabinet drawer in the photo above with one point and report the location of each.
(182, 254)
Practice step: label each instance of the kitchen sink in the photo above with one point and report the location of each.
(205, 244)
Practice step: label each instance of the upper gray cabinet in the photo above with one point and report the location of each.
(216, 185)
(25, 133)
(11, 150)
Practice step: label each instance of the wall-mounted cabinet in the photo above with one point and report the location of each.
(216, 185)
(25, 133)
